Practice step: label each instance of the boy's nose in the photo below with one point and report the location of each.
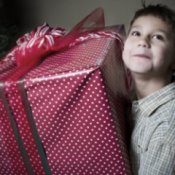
(143, 42)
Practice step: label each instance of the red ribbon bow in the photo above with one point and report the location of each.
(33, 47)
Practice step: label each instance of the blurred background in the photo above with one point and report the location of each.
(21, 16)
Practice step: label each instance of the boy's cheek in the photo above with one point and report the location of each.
(124, 57)
(125, 53)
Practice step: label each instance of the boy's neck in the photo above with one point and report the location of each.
(145, 87)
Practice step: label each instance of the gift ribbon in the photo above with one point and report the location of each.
(14, 126)
(33, 47)
(34, 128)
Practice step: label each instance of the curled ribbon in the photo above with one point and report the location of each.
(33, 47)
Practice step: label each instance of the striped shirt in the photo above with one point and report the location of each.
(153, 136)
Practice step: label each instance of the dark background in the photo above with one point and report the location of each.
(16, 18)
(20, 16)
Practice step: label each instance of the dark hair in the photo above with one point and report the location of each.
(161, 11)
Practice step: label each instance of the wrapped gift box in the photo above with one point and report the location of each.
(66, 116)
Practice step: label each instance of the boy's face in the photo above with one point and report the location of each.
(149, 48)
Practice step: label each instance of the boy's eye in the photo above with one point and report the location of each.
(158, 37)
(135, 33)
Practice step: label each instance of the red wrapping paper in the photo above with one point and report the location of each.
(67, 114)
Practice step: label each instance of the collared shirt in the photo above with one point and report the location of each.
(153, 136)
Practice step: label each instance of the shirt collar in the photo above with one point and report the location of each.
(150, 103)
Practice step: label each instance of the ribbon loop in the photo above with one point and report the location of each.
(34, 46)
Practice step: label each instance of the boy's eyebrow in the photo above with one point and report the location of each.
(157, 30)
(130, 28)
(135, 26)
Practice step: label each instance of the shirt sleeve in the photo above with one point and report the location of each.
(158, 159)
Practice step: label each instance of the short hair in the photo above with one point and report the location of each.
(161, 11)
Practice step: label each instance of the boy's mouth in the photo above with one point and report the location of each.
(142, 56)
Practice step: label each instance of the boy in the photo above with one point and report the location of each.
(149, 54)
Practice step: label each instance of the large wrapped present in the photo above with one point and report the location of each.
(63, 101)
